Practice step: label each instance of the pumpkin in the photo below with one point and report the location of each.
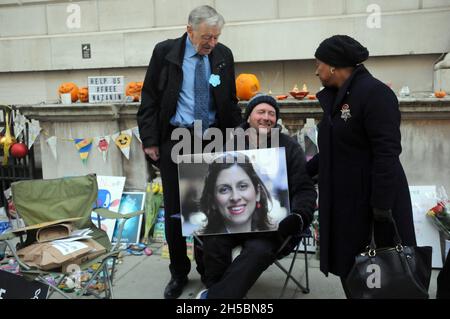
(247, 85)
(134, 89)
(440, 94)
(83, 94)
(69, 87)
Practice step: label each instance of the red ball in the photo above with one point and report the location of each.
(19, 150)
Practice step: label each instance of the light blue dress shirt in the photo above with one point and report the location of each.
(184, 115)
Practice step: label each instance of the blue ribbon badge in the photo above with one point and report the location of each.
(214, 80)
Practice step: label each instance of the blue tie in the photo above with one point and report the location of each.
(201, 90)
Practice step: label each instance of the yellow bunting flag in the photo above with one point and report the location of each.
(123, 141)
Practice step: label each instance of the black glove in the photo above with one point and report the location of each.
(382, 215)
(291, 225)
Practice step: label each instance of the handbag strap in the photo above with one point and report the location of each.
(397, 239)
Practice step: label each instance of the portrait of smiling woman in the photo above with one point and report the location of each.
(234, 198)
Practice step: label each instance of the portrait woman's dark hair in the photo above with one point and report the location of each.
(215, 221)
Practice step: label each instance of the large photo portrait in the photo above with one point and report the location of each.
(233, 192)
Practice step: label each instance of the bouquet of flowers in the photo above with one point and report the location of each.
(152, 203)
(440, 217)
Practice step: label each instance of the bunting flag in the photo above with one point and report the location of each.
(19, 124)
(136, 133)
(51, 141)
(83, 146)
(123, 141)
(34, 129)
(102, 143)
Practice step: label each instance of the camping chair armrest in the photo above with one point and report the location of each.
(12, 247)
(133, 214)
(7, 236)
(121, 225)
(8, 239)
(106, 213)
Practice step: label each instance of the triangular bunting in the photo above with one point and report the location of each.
(83, 146)
(34, 129)
(123, 141)
(51, 141)
(136, 133)
(102, 144)
(19, 124)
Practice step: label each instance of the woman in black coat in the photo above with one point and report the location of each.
(360, 175)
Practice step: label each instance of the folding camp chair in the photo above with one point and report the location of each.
(39, 201)
(303, 240)
(281, 253)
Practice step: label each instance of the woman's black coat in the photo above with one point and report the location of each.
(359, 168)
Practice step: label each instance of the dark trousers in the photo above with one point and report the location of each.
(180, 265)
(225, 278)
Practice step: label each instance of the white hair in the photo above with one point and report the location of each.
(205, 14)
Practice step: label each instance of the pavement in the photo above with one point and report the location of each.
(145, 277)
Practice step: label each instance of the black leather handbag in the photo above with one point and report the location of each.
(386, 273)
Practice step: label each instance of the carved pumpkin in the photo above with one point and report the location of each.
(83, 94)
(247, 85)
(440, 94)
(69, 87)
(134, 89)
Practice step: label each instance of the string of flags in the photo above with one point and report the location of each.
(121, 139)
(20, 123)
(83, 145)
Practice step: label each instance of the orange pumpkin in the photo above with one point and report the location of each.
(247, 85)
(83, 94)
(134, 89)
(440, 94)
(69, 87)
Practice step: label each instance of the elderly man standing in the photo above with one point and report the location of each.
(189, 79)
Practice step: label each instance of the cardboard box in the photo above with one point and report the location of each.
(51, 255)
(96, 251)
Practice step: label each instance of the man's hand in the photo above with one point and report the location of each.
(382, 215)
(291, 225)
(153, 152)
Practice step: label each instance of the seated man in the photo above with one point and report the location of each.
(225, 278)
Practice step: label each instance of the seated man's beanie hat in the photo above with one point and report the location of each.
(341, 51)
(258, 99)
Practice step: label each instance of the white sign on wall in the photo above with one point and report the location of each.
(106, 89)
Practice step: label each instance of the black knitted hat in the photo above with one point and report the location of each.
(341, 51)
(258, 99)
